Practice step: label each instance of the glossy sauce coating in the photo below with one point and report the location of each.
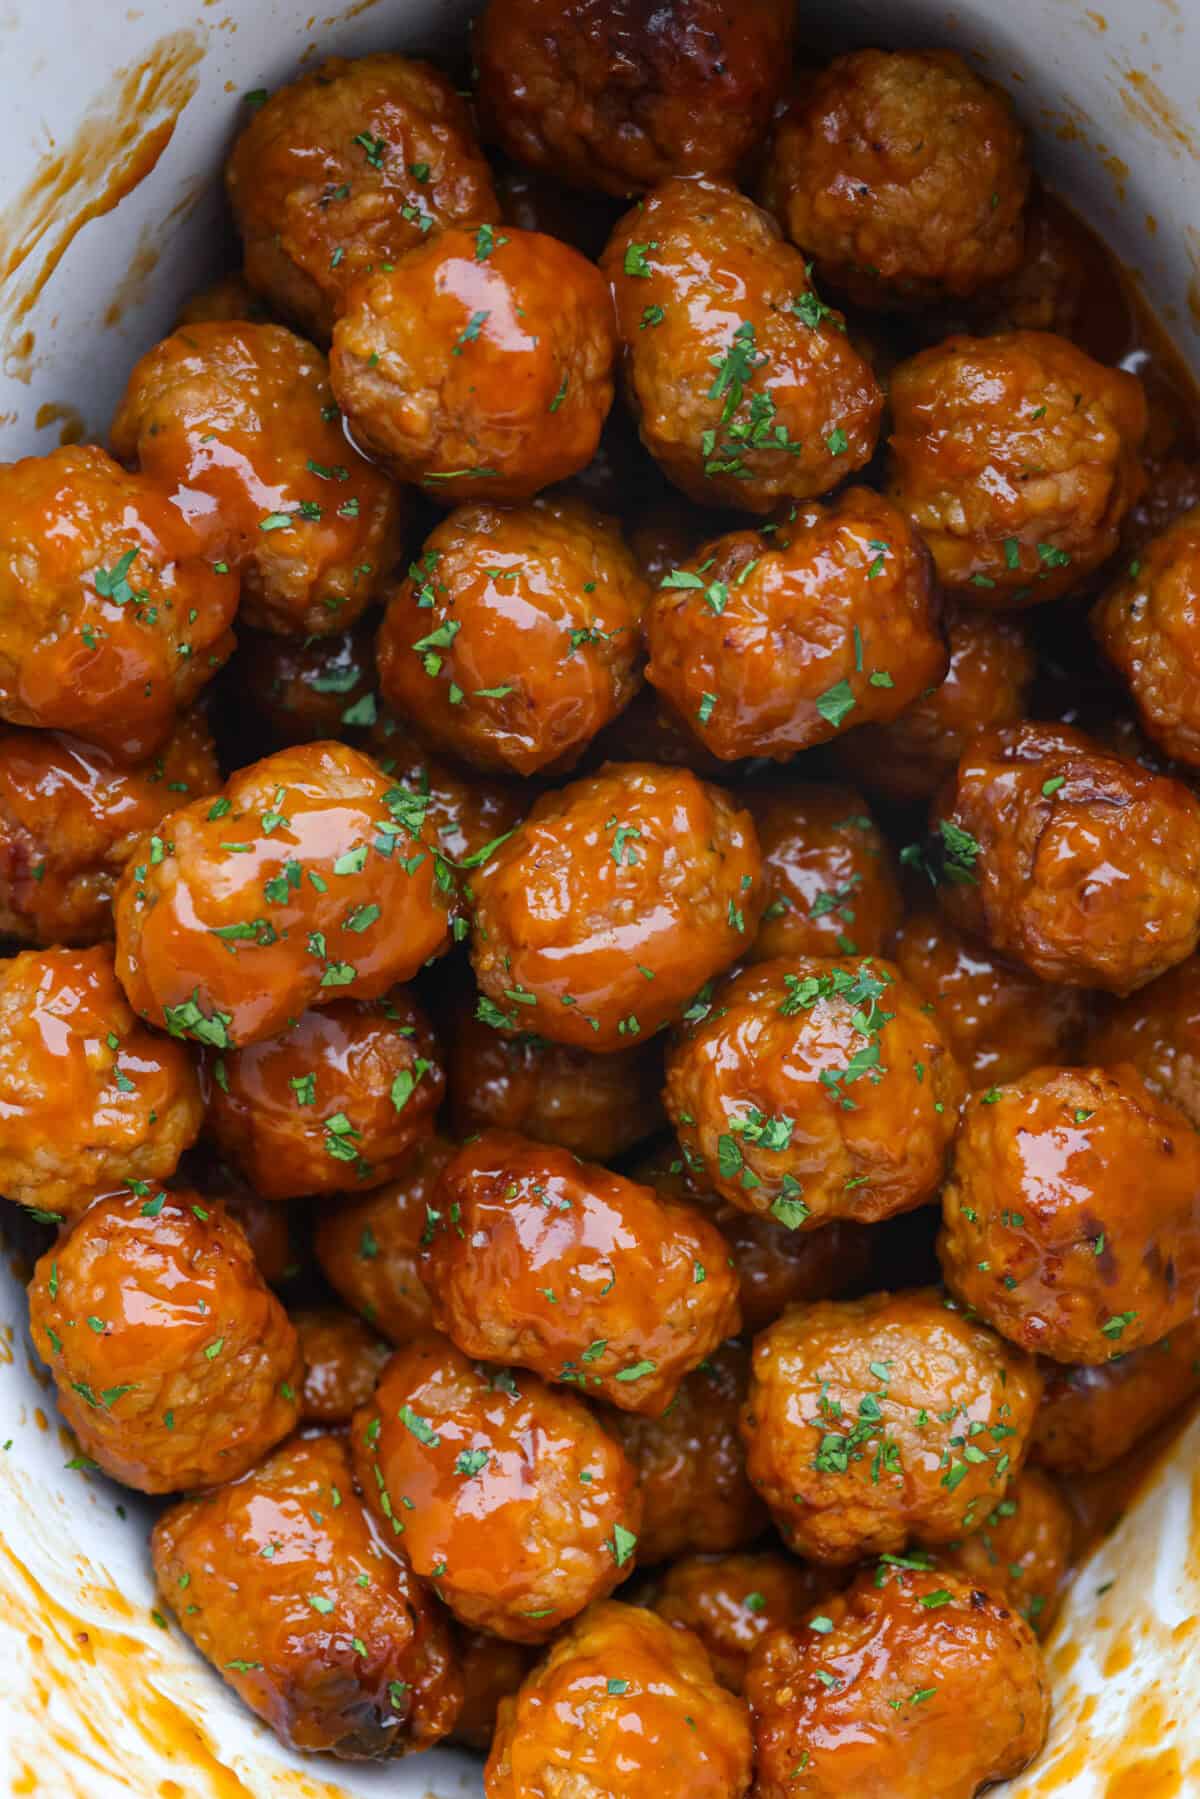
(342, 1358)
(369, 1245)
(304, 688)
(491, 1670)
(1091, 1416)
(268, 1228)
(1148, 625)
(830, 881)
(463, 811)
(1158, 1030)
(732, 1601)
(1022, 1551)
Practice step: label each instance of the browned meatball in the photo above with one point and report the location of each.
(287, 1587)
(1017, 458)
(827, 870)
(230, 297)
(732, 1601)
(175, 1364)
(480, 366)
(612, 904)
(1091, 1416)
(813, 1089)
(873, 1421)
(539, 1260)
(1076, 861)
(506, 1494)
(369, 1246)
(515, 636)
(911, 1684)
(1067, 281)
(491, 1670)
(345, 169)
(1158, 1030)
(1148, 625)
(342, 1358)
(464, 813)
(703, 281)
(303, 688)
(1023, 1550)
(268, 1227)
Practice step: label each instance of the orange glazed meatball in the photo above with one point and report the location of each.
(284, 1583)
(111, 621)
(827, 871)
(464, 814)
(237, 422)
(303, 688)
(175, 1364)
(1148, 625)
(1158, 1030)
(490, 1669)
(89, 1099)
(507, 1495)
(811, 1089)
(268, 1228)
(231, 297)
(619, 96)
(549, 1263)
(1017, 458)
(622, 1704)
(369, 1246)
(344, 170)
(481, 367)
(769, 648)
(342, 1358)
(913, 1684)
(305, 883)
(1090, 1417)
(703, 282)
(1071, 1218)
(872, 1421)
(1023, 1551)
(69, 818)
(614, 901)
(1075, 860)
(515, 637)
(732, 1601)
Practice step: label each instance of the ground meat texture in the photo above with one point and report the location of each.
(873, 1421)
(111, 618)
(549, 1263)
(1091, 1416)
(69, 818)
(1023, 1551)
(304, 688)
(515, 636)
(924, 1685)
(491, 1670)
(480, 368)
(284, 1582)
(612, 904)
(702, 282)
(342, 1357)
(1158, 1030)
(343, 171)
(1148, 625)
(230, 297)
(732, 1601)
(305, 883)
(89, 1099)
(479, 1473)
(175, 1364)
(1066, 280)
(622, 1697)
(1077, 862)
(1071, 1217)
(369, 1246)
(1017, 458)
(810, 1089)
(830, 882)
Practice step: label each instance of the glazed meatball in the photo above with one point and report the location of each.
(111, 620)
(268, 1229)
(369, 1247)
(507, 1495)
(1066, 280)
(515, 637)
(89, 1099)
(231, 297)
(481, 366)
(649, 730)
(619, 96)
(343, 171)
(491, 1670)
(69, 818)
(1146, 624)
(731, 1602)
(464, 813)
(549, 1263)
(924, 1685)
(286, 1586)
(175, 1364)
(702, 282)
(1091, 1416)
(342, 1358)
(811, 1089)
(1072, 1213)
(1075, 861)
(769, 648)
(873, 1421)
(307, 882)
(622, 1695)
(827, 871)
(612, 904)
(303, 688)
(1017, 458)
(1023, 1551)
(1158, 1030)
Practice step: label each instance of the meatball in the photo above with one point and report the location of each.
(230, 297)
(1148, 625)
(515, 636)
(827, 871)
(649, 730)
(465, 814)
(491, 1670)
(1023, 1551)
(811, 1089)
(369, 1246)
(89, 1099)
(872, 1421)
(915, 1683)
(732, 1601)
(1017, 458)
(508, 1496)
(303, 688)
(1071, 1216)
(481, 366)
(69, 818)
(284, 1583)
(1067, 280)
(702, 282)
(549, 1263)
(1158, 1030)
(111, 620)
(342, 1358)
(1091, 1416)
(622, 1695)
(268, 1229)
(343, 171)
(307, 882)
(769, 648)
(176, 1366)
(612, 904)
(621, 95)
